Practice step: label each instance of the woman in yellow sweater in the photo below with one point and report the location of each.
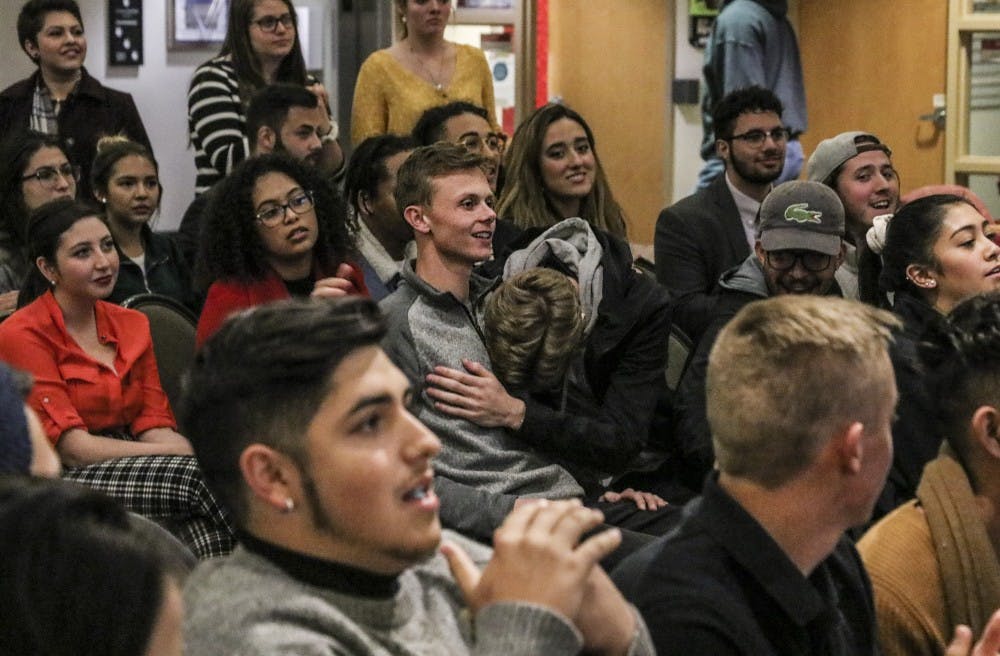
(421, 70)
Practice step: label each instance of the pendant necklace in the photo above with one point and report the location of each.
(438, 86)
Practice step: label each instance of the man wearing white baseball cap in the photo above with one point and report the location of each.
(858, 166)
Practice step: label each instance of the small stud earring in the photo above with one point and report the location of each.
(289, 505)
(931, 283)
(52, 282)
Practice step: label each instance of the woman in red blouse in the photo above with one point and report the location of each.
(97, 389)
(275, 228)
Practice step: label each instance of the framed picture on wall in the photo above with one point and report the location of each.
(196, 24)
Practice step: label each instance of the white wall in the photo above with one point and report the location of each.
(159, 86)
(687, 118)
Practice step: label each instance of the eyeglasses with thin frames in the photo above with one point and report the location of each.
(474, 143)
(49, 175)
(270, 23)
(271, 214)
(785, 260)
(756, 138)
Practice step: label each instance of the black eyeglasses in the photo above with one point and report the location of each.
(49, 175)
(756, 138)
(271, 214)
(474, 143)
(270, 23)
(811, 260)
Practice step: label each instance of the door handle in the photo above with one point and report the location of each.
(937, 117)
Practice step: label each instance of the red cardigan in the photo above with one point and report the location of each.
(228, 296)
(72, 389)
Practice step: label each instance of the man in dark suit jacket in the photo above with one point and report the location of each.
(703, 235)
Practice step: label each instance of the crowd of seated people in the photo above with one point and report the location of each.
(429, 388)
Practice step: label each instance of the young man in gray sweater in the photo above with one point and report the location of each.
(488, 466)
(302, 427)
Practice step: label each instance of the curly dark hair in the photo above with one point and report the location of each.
(961, 359)
(231, 248)
(739, 102)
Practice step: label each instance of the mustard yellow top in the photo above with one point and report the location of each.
(389, 98)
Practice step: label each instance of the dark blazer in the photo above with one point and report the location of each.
(697, 240)
(92, 111)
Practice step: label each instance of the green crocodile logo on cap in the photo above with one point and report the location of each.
(800, 213)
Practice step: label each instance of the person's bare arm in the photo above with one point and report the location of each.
(77, 448)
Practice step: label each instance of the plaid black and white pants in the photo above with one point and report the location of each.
(169, 490)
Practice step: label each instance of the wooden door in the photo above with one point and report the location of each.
(611, 62)
(875, 66)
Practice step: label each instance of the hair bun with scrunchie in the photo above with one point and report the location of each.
(877, 233)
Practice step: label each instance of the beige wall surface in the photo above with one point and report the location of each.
(879, 74)
(611, 62)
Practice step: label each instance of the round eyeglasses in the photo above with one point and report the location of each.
(475, 143)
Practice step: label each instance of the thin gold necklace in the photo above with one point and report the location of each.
(438, 86)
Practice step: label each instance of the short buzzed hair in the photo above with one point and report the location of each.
(261, 379)
(785, 373)
(414, 179)
(270, 106)
(430, 127)
(31, 20)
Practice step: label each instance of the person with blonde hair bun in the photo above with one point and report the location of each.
(554, 173)
(419, 71)
(580, 338)
(534, 325)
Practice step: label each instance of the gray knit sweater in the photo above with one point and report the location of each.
(480, 471)
(244, 604)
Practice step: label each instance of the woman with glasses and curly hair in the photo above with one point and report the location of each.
(554, 173)
(262, 47)
(34, 169)
(276, 229)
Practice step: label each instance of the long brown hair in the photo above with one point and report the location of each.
(524, 200)
(237, 45)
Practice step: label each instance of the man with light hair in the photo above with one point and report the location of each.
(801, 395)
